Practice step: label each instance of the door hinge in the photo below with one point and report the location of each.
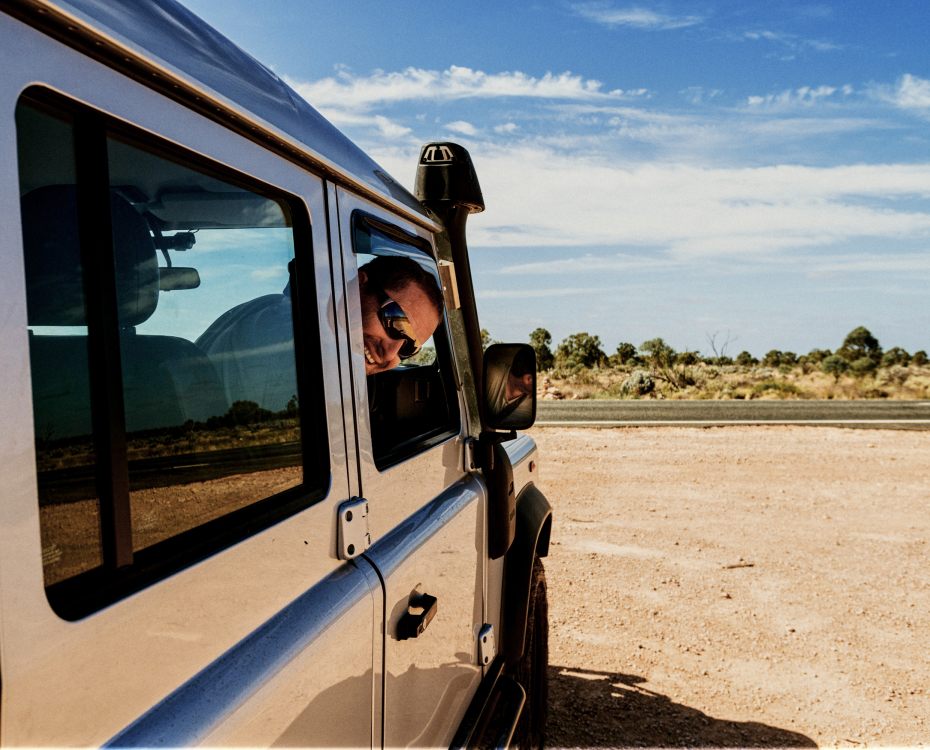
(487, 649)
(353, 528)
(469, 454)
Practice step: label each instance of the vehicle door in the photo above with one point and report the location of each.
(426, 514)
(172, 440)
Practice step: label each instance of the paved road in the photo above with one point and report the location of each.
(902, 415)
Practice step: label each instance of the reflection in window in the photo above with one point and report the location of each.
(203, 272)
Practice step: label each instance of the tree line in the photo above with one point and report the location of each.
(860, 354)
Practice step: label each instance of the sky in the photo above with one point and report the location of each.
(748, 172)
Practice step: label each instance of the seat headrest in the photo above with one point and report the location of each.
(55, 289)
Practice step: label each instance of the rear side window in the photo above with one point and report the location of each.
(170, 392)
(414, 405)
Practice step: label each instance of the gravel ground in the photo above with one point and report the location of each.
(738, 587)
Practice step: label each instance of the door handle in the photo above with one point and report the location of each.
(420, 613)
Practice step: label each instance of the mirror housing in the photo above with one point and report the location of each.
(509, 386)
(172, 278)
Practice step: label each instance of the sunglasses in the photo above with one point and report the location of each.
(398, 327)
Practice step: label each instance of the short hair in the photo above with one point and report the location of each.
(524, 363)
(397, 272)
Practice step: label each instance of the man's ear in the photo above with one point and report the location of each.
(362, 279)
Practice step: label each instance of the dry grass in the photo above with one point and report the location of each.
(735, 382)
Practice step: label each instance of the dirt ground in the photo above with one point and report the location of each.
(738, 587)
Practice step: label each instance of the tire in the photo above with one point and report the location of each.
(532, 671)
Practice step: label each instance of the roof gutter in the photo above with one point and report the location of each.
(96, 43)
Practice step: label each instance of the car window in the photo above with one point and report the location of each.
(167, 385)
(413, 403)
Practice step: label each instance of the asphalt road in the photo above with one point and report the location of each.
(901, 415)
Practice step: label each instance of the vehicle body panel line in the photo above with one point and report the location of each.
(189, 713)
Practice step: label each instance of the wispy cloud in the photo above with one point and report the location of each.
(636, 17)
(806, 95)
(460, 126)
(345, 91)
(792, 41)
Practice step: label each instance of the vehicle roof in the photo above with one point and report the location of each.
(168, 35)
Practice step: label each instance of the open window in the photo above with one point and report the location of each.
(173, 348)
(413, 404)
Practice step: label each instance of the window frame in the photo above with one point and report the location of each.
(125, 571)
(444, 363)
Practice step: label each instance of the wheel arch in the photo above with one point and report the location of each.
(533, 531)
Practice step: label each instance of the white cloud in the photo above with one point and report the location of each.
(640, 18)
(912, 93)
(540, 197)
(787, 98)
(460, 126)
(792, 42)
(390, 129)
(509, 127)
(348, 93)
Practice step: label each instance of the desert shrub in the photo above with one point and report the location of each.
(895, 356)
(818, 355)
(834, 365)
(687, 358)
(775, 385)
(862, 367)
(772, 358)
(638, 384)
(919, 358)
(625, 351)
(784, 369)
(745, 359)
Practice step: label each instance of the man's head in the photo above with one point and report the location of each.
(405, 282)
(521, 376)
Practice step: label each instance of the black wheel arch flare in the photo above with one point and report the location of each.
(533, 530)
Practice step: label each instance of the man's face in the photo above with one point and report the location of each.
(518, 385)
(381, 351)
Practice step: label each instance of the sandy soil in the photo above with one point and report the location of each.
(738, 587)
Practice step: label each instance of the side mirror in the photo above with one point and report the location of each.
(510, 386)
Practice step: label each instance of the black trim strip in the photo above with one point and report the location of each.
(106, 373)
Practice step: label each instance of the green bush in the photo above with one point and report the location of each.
(784, 369)
(745, 359)
(919, 358)
(834, 365)
(862, 367)
(859, 343)
(580, 350)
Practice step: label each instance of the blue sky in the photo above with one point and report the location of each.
(675, 169)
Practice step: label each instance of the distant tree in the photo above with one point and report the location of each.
(919, 358)
(745, 359)
(658, 353)
(486, 339)
(818, 355)
(834, 365)
(858, 343)
(720, 349)
(540, 340)
(625, 351)
(580, 350)
(895, 356)
(687, 359)
(772, 358)
(789, 358)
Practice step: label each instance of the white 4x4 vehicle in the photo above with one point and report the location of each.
(229, 515)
